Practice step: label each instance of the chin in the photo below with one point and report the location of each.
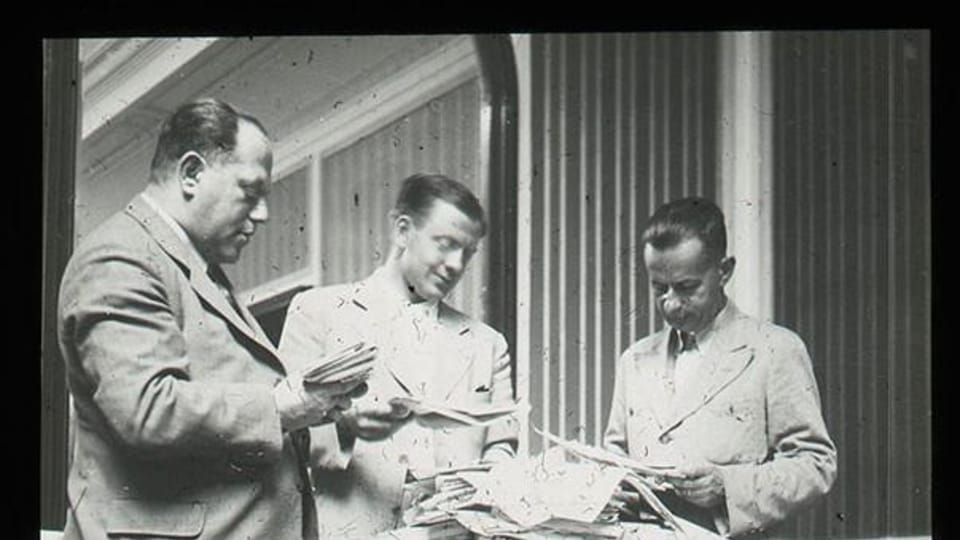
(230, 257)
(432, 294)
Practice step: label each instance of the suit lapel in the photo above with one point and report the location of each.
(369, 307)
(731, 357)
(198, 278)
(451, 346)
(456, 351)
(254, 325)
(650, 379)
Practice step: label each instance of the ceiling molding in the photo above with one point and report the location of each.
(434, 73)
(118, 72)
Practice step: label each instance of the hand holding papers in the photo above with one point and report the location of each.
(320, 392)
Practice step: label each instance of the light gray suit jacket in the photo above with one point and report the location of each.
(752, 408)
(177, 433)
(359, 488)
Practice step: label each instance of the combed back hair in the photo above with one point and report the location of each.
(682, 219)
(207, 126)
(418, 192)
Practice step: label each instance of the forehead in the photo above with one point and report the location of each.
(253, 148)
(687, 259)
(445, 218)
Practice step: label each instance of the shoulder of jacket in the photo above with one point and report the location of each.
(478, 327)
(769, 334)
(118, 238)
(326, 297)
(645, 345)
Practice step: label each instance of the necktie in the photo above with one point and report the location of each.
(223, 283)
(688, 341)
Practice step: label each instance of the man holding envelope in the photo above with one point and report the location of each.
(729, 401)
(428, 352)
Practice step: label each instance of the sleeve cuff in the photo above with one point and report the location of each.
(263, 432)
(740, 500)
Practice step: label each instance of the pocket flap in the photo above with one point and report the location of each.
(157, 518)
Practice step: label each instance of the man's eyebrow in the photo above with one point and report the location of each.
(261, 185)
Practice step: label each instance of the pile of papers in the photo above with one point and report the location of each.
(350, 365)
(570, 490)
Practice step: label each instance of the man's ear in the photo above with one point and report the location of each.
(403, 225)
(189, 169)
(726, 269)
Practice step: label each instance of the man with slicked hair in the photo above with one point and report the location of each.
(426, 347)
(188, 423)
(727, 400)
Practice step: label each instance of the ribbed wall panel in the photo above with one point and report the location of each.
(852, 263)
(280, 246)
(620, 124)
(360, 182)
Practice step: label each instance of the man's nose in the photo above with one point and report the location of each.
(455, 261)
(260, 212)
(671, 301)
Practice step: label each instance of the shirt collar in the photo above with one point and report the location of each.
(177, 230)
(703, 337)
(428, 309)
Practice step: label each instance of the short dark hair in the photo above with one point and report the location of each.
(419, 191)
(690, 217)
(207, 126)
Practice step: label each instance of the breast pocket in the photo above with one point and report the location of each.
(132, 518)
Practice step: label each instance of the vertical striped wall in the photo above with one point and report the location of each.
(360, 182)
(852, 263)
(619, 125)
(281, 246)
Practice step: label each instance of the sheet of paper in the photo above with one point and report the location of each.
(444, 415)
(605, 456)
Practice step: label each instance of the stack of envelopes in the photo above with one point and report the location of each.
(350, 365)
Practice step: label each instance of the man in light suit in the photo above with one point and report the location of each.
(729, 400)
(425, 347)
(186, 423)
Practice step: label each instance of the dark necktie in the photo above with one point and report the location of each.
(688, 341)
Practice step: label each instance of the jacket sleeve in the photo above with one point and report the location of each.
(126, 349)
(802, 460)
(502, 437)
(302, 342)
(615, 436)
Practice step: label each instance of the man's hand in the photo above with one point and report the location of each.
(373, 421)
(702, 483)
(303, 405)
